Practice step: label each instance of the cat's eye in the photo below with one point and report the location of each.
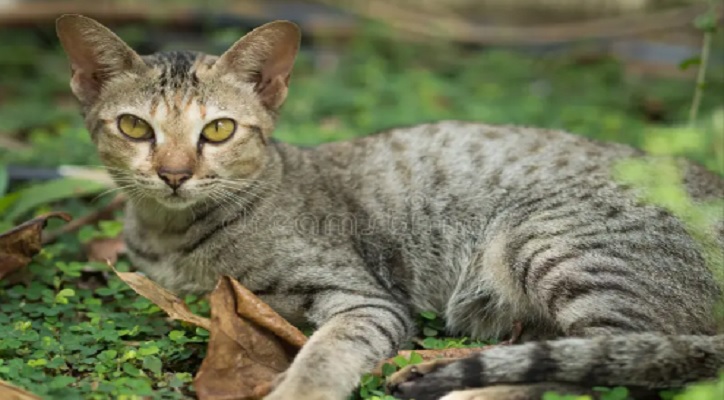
(134, 127)
(219, 130)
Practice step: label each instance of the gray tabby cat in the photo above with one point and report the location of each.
(485, 225)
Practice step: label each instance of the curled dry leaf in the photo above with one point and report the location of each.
(20, 244)
(10, 392)
(250, 307)
(167, 301)
(243, 358)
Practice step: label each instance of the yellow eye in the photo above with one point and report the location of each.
(219, 130)
(134, 127)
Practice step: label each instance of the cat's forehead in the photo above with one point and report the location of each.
(178, 69)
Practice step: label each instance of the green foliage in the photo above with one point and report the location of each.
(74, 331)
(432, 328)
(19, 203)
(703, 391)
(65, 341)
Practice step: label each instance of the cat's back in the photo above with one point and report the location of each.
(456, 158)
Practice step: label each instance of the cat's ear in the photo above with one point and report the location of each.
(96, 54)
(265, 57)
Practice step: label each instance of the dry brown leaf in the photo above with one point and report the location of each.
(105, 249)
(10, 392)
(20, 244)
(429, 355)
(250, 307)
(243, 358)
(167, 301)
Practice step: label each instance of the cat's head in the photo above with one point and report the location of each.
(179, 127)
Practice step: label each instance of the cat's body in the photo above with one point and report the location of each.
(445, 217)
(488, 226)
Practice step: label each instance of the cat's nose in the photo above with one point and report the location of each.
(174, 177)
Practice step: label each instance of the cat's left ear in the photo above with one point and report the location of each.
(96, 55)
(265, 57)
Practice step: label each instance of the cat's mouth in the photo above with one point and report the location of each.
(176, 200)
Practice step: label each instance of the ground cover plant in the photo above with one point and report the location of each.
(71, 329)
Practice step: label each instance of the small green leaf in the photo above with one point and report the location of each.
(706, 22)
(4, 179)
(689, 62)
(111, 229)
(108, 355)
(388, 369)
(431, 343)
(147, 351)
(61, 382)
(415, 358)
(400, 361)
(428, 315)
(429, 332)
(131, 370)
(22, 326)
(153, 364)
(62, 296)
(38, 362)
(177, 335)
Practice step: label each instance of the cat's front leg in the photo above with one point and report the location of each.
(356, 332)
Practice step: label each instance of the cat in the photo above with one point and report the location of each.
(485, 225)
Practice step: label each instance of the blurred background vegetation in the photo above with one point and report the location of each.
(616, 70)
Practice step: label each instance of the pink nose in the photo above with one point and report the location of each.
(174, 178)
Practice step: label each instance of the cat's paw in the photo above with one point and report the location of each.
(417, 371)
(284, 395)
(285, 391)
(425, 381)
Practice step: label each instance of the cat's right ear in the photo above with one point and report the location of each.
(96, 54)
(265, 57)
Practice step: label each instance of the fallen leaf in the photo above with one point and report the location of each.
(105, 249)
(10, 392)
(249, 343)
(20, 244)
(243, 358)
(429, 355)
(167, 301)
(250, 307)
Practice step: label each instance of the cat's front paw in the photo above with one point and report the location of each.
(313, 395)
(417, 371)
(286, 391)
(426, 381)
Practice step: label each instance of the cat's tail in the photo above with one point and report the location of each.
(650, 360)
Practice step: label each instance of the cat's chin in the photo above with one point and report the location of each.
(176, 202)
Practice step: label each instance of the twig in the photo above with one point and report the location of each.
(459, 29)
(701, 74)
(88, 219)
(9, 143)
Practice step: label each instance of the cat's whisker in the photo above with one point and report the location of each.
(244, 192)
(110, 191)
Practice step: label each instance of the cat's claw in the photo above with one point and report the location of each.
(515, 335)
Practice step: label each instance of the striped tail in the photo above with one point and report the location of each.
(653, 361)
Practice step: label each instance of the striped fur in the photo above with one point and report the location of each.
(485, 225)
